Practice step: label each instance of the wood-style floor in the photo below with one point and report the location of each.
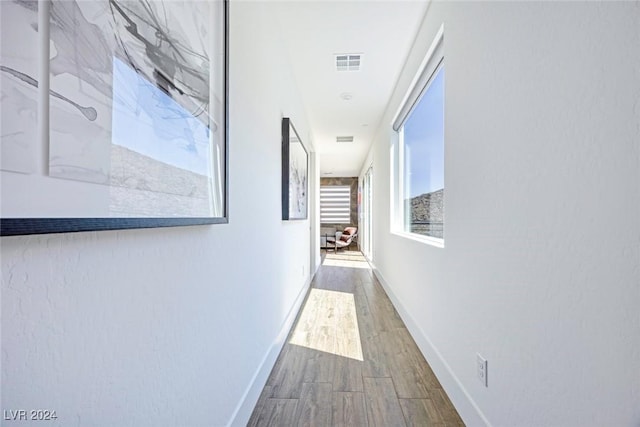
(327, 375)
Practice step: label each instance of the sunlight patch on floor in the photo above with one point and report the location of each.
(350, 259)
(328, 323)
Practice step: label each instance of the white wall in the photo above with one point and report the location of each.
(174, 326)
(314, 206)
(541, 269)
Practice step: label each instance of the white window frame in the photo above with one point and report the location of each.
(432, 62)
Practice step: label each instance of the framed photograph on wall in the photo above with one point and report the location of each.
(295, 174)
(134, 106)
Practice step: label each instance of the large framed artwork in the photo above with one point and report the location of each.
(295, 174)
(129, 126)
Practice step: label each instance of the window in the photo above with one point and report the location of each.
(335, 204)
(419, 160)
(422, 143)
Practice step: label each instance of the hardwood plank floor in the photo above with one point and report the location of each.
(383, 406)
(350, 361)
(349, 409)
(314, 407)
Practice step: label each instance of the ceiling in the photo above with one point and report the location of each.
(314, 32)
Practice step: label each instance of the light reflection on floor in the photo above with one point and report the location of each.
(350, 259)
(328, 323)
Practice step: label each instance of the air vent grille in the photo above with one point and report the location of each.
(344, 139)
(348, 62)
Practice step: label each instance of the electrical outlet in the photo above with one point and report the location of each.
(481, 368)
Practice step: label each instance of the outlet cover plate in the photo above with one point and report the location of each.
(481, 369)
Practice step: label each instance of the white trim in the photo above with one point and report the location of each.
(394, 183)
(427, 68)
(400, 191)
(470, 412)
(245, 407)
(433, 241)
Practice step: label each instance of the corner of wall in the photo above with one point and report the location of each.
(247, 403)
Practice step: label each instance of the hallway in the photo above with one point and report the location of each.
(350, 361)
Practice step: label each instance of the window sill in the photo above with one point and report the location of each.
(431, 241)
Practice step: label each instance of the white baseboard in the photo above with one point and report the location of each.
(242, 413)
(467, 408)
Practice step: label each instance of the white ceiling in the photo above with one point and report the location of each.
(314, 32)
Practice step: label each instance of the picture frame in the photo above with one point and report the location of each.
(137, 141)
(295, 174)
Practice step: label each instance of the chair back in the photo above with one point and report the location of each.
(345, 237)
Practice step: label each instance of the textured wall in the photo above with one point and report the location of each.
(353, 183)
(540, 272)
(166, 327)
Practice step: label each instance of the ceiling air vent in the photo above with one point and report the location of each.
(348, 62)
(344, 139)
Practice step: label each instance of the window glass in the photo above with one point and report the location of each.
(422, 139)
